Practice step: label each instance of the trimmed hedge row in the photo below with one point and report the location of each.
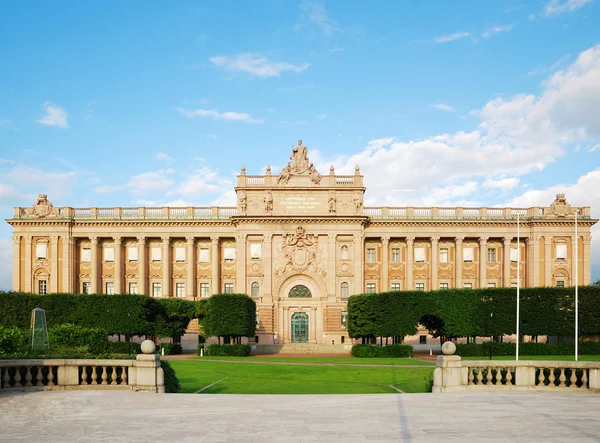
(509, 349)
(170, 348)
(227, 350)
(394, 351)
(171, 381)
(229, 315)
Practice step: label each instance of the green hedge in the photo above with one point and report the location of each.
(12, 340)
(229, 315)
(72, 336)
(171, 380)
(509, 349)
(394, 351)
(125, 347)
(228, 350)
(170, 348)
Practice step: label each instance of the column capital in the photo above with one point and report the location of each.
(241, 238)
(434, 240)
(533, 240)
(267, 238)
(54, 239)
(547, 241)
(215, 240)
(313, 308)
(94, 240)
(358, 238)
(190, 240)
(16, 239)
(385, 241)
(117, 240)
(28, 239)
(410, 241)
(141, 240)
(507, 241)
(286, 308)
(458, 240)
(483, 241)
(166, 240)
(587, 240)
(332, 238)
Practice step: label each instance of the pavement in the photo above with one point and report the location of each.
(125, 416)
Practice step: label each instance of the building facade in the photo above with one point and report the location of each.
(300, 243)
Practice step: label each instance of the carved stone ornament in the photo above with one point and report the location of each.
(42, 208)
(299, 252)
(299, 164)
(560, 207)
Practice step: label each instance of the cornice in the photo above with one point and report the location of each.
(309, 219)
(586, 223)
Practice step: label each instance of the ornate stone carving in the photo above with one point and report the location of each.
(42, 208)
(332, 238)
(285, 174)
(268, 202)
(242, 202)
(332, 204)
(357, 204)
(300, 251)
(267, 238)
(214, 240)
(241, 238)
(299, 158)
(315, 177)
(560, 207)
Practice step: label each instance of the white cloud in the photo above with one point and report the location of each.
(336, 49)
(90, 109)
(555, 7)
(559, 64)
(166, 158)
(202, 181)
(443, 107)
(256, 64)
(451, 37)
(55, 116)
(496, 30)
(503, 184)
(228, 116)
(594, 148)
(9, 193)
(152, 181)
(316, 15)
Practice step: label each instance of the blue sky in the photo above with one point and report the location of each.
(440, 103)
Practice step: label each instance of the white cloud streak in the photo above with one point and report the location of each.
(256, 65)
(496, 30)
(451, 37)
(54, 116)
(443, 107)
(556, 7)
(227, 116)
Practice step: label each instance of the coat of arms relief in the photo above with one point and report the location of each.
(300, 252)
(42, 208)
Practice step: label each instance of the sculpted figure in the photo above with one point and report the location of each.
(285, 174)
(299, 158)
(357, 204)
(243, 202)
(332, 204)
(268, 200)
(315, 177)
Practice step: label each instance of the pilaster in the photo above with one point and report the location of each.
(190, 285)
(119, 266)
(547, 261)
(142, 265)
(359, 272)
(410, 241)
(506, 262)
(458, 262)
(385, 260)
(331, 261)
(16, 262)
(483, 262)
(94, 264)
(53, 264)
(434, 263)
(167, 266)
(534, 264)
(215, 285)
(241, 264)
(28, 276)
(267, 290)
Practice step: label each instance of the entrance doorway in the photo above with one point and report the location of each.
(300, 327)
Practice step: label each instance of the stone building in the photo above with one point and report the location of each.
(300, 244)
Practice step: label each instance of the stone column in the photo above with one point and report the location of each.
(528, 262)
(190, 285)
(458, 263)
(313, 324)
(215, 285)
(534, 263)
(285, 318)
(547, 261)
(142, 266)
(240, 264)
(28, 276)
(67, 263)
(385, 263)
(94, 264)
(16, 263)
(331, 261)
(483, 262)
(359, 272)
(434, 263)
(119, 266)
(53, 264)
(506, 262)
(167, 266)
(410, 241)
(586, 260)
(267, 294)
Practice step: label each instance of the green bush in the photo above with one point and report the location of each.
(12, 340)
(171, 348)
(72, 336)
(171, 380)
(125, 347)
(229, 315)
(509, 349)
(393, 351)
(229, 350)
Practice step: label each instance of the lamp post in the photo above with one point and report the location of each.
(491, 332)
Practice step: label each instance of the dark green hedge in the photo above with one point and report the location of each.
(395, 351)
(12, 340)
(228, 350)
(509, 349)
(171, 381)
(229, 315)
(170, 348)
(125, 347)
(73, 336)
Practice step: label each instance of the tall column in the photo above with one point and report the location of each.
(286, 324)
(16, 263)
(359, 272)
(67, 246)
(385, 263)
(54, 263)
(167, 266)
(267, 238)
(190, 285)
(94, 265)
(534, 264)
(528, 262)
(119, 266)
(142, 266)
(506, 262)
(483, 262)
(215, 259)
(331, 260)
(586, 260)
(240, 264)
(547, 261)
(434, 263)
(313, 324)
(28, 276)
(410, 241)
(458, 263)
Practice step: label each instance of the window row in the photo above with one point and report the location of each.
(156, 252)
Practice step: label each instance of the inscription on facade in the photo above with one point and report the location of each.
(300, 202)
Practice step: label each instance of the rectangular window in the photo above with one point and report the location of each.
(345, 290)
(443, 285)
(109, 254)
(42, 287)
(371, 288)
(180, 290)
(86, 287)
(468, 285)
(443, 255)
(395, 287)
(514, 254)
(204, 290)
(86, 255)
(491, 285)
(229, 255)
(41, 250)
(419, 254)
(133, 288)
(204, 256)
(395, 255)
(491, 255)
(109, 287)
(561, 252)
(370, 255)
(344, 319)
(156, 253)
(156, 289)
(132, 253)
(228, 288)
(560, 283)
(180, 254)
(419, 286)
(255, 251)
(422, 339)
(468, 254)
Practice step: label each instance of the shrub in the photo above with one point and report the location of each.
(393, 351)
(125, 347)
(171, 380)
(229, 350)
(171, 348)
(72, 336)
(12, 340)
(509, 349)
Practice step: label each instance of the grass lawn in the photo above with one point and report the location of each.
(245, 378)
(538, 357)
(329, 360)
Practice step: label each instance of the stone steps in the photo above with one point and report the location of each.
(301, 348)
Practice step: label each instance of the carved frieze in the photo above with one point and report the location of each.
(299, 252)
(42, 208)
(559, 207)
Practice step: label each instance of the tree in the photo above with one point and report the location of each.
(229, 315)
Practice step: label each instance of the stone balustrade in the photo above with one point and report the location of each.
(453, 374)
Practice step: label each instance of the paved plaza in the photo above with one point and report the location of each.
(89, 416)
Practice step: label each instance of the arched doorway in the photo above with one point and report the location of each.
(299, 327)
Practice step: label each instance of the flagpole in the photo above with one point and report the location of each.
(576, 289)
(518, 278)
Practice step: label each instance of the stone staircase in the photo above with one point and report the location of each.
(301, 348)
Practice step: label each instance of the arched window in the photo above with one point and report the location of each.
(344, 290)
(255, 288)
(344, 252)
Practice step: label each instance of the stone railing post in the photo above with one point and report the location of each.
(68, 375)
(525, 376)
(146, 374)
(449, 375)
